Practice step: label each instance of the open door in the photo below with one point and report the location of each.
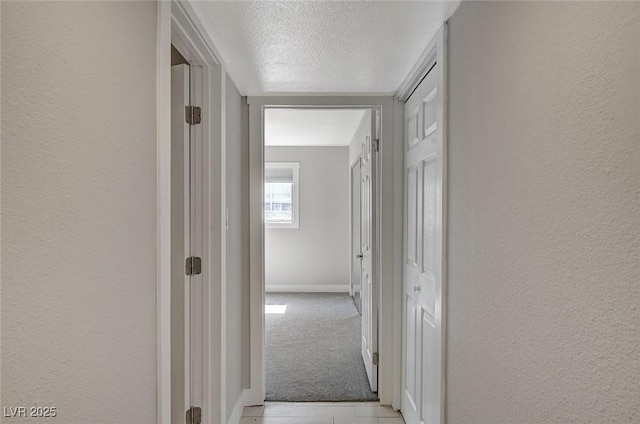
(186, 248)
(180, 245)
(369, 293)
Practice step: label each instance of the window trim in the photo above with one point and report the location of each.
(295, 170)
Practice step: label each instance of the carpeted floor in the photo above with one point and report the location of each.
(313, 349)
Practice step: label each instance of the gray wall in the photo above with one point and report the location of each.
(79, 209)
(237, 151)
(543, 285)
(317, 253)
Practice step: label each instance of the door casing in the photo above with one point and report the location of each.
(388, 226)
(178, 24)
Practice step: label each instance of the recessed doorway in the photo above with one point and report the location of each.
(320, 345)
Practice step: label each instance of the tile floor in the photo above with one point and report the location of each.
(321, 413)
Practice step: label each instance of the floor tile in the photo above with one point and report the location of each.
(303, 410)
(375, 411)
(286, 420)
(253, 411)
(355, 420)
(366, 403)
(321, 413)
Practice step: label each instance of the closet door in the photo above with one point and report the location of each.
(423, 344)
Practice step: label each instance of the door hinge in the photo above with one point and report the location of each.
(376, 145)
(194, 415)
(193, 115)
(193, 265)
(375, 358)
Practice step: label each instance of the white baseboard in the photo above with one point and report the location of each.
(309, 288)
(236, 414)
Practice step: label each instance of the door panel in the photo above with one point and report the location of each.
(411, 385)
(412, 216)
(356, 263)
(411, 128)
(429, 395)
(187, 324)
(369, 259)
(423, 377)
(197, 297)
(429, 205)
(180, 245)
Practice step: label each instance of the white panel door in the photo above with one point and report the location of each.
(180, 245)
(369, 293)
(186, 240)
(196, 228)
(423, 377)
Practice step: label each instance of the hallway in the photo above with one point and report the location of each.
(500, 188)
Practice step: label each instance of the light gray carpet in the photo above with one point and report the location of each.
(313, 350)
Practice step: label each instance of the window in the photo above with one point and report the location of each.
(281, 188)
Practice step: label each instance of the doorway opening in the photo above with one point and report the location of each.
(321, 295)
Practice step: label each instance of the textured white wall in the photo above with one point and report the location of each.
(317, 253)
(544, 218)
(79, 209)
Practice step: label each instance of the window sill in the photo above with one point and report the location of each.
(287, 225)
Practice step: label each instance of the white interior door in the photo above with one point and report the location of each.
(356, 255)
(197, 228)
(187, 296)
(180, 245)
(423, 377)
(369, 293)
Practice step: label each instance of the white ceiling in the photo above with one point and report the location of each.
(311, 127)
(308, 46)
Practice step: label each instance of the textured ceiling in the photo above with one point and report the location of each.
(274, 47)
(311, 127)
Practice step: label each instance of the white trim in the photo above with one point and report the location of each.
(390, 277)
(307, 288)
(238, 408)
(426, 60)
(190, 37)
(163, 213)
(275, 165)
(179, 25)
(444, 58)
(398, 229)
(257, 388)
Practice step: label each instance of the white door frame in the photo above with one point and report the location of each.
(178, 24)
(389, 228)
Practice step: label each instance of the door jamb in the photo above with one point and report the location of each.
(178, 24)
(389, 239)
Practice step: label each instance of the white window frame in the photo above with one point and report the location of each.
(295, 170)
